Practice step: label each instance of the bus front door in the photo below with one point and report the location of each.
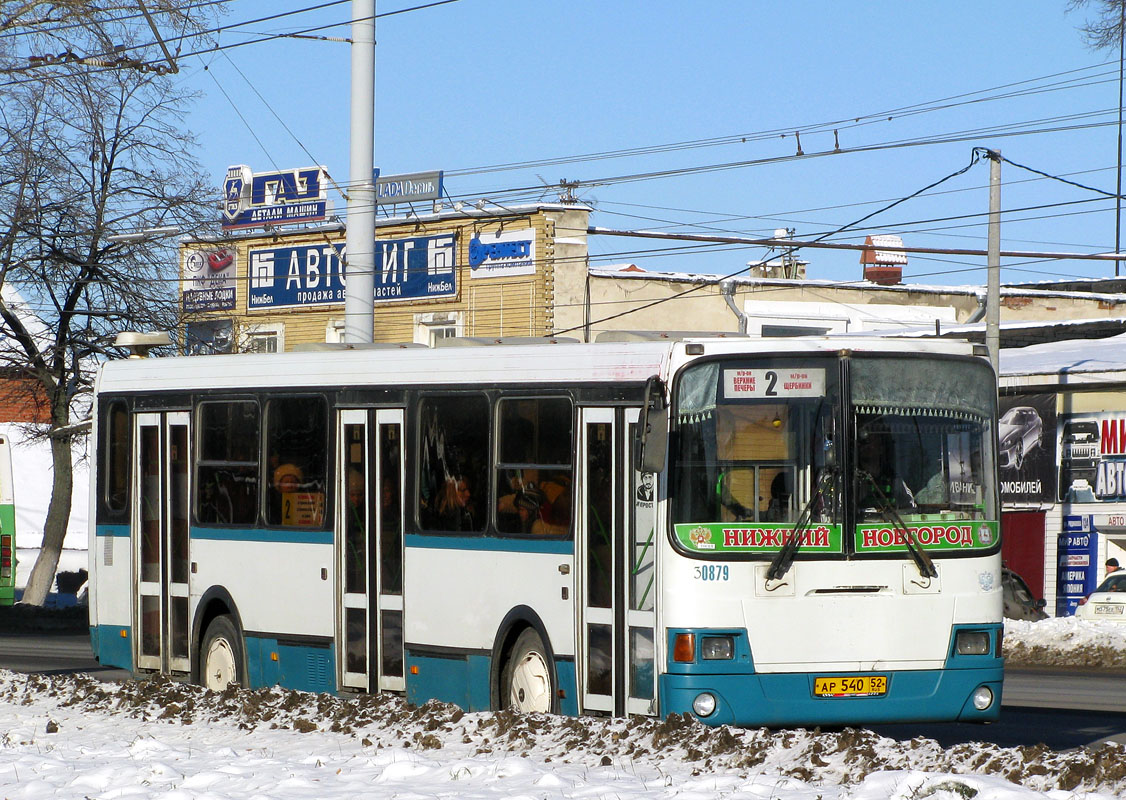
(160, 542)
(616, 561)
(370, 548)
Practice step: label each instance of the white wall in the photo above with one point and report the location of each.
(33, 475)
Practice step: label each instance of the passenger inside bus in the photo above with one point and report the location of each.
(880, 482)
(455, 508)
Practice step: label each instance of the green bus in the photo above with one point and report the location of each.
(7, 525)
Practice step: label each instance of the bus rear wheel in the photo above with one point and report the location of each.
(221, 655)
(527, 676)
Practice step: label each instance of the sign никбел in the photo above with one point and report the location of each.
(415, 268)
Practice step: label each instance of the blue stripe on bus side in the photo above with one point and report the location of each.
(491, 543)
(112, 530)
(287, 536)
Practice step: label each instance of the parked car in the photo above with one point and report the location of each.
(1020, 431)
(1108, 601)
(1020, 602)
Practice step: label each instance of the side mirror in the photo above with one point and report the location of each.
(653, 429)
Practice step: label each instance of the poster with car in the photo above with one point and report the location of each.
(1026, 451)
(1093, 454)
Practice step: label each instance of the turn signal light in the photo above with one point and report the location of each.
(684, 648)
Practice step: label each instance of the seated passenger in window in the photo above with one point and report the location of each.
(554, 517)
(778, 509)
(528, 503)
(455, 511)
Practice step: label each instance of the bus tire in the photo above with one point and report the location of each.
(527, 685)
(220, 659)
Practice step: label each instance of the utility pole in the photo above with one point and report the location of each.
(993, 262)
(359, 298)
(1118, 192)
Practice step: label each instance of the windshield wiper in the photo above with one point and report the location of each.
(889, 514)
(781, 563)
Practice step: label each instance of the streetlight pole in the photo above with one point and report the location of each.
(359, 298)
(993, 263)
(1118, 191)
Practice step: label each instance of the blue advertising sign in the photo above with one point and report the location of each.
(287, 277)
(415, 269)
(314, 275)
(254, 199)
(1076, 550)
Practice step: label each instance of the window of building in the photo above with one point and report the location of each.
(227, 469)
(262, 340)
(296, 461)
(208, 337)
(453, 480)
(534, 466)
(118, 454)
(432, 327)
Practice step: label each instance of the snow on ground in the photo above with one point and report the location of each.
(73, 737)
(1066, 641)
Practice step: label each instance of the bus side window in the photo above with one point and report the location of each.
(118, 443)
(227, 466)
(296, 461)
(534, 466)
(453, 479)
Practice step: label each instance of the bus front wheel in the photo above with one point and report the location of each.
(221, 655)
(527, 676)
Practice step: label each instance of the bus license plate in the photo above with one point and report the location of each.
(851, 686)
(1108, 610)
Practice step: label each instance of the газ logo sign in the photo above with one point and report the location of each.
(277, 198)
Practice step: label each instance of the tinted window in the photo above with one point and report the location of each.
(453, 462)
(296, 449)
(227, 470)
(118, 451)
(534, 466)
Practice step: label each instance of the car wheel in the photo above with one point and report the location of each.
(527, 676)
(1018, 456)
(220, 660)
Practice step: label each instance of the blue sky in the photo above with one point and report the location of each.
(478, 83)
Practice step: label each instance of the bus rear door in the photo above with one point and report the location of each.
(160, 541)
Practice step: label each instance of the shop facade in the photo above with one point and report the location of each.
(501, 273)
(1062, 437)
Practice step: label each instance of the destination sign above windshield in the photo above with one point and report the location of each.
(768, 383)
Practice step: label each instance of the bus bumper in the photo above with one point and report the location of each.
(966, 689)
(787, 698)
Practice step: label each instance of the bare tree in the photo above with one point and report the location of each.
(1104, 29)
(85, 156)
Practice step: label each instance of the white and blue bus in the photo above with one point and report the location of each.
(753, 531)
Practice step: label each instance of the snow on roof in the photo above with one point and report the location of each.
(863, 285)
(1068, 357)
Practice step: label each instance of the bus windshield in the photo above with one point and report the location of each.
(752, 437)
(923, 447)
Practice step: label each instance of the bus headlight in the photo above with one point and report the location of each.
(704, 704)
(717, 648)
(972, 643)
(983, 698)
